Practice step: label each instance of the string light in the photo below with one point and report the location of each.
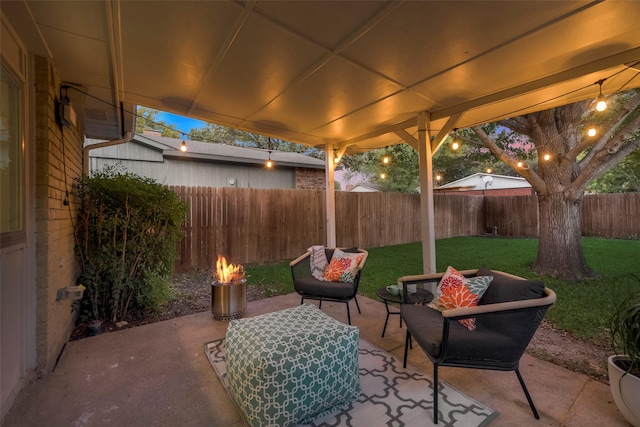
(547, 157)
(386, 159)
(183, 146)
(383, 175)
(520, 164)
(269, 162)
(489, 170)
(592, 131)
(438, 177)
(455, 140)
(336, 159)
(601, 102)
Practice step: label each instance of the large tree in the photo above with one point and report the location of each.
(225, 135)
(575, 159)
(148, 119)
(400, 173)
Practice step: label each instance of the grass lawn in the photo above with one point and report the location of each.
(583, 308)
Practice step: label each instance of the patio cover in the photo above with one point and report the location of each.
(346, 75)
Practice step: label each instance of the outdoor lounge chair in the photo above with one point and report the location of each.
(308, 287)
(507, 317)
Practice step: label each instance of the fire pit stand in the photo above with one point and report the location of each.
(228, 300)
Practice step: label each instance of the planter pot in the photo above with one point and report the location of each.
(626, 391)
(95, 328)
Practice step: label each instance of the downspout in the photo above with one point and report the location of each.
(85, 150)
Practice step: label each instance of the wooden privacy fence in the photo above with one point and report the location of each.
(614, 216)
(261, 225)
(611, 216)
(255, 226)
(514, 216)
(247, 225)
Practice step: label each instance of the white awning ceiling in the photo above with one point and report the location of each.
(348, 73)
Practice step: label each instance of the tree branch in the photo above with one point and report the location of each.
(630, 106)
(602, 161)
(527, 173)
(518, 124)
(611, 148)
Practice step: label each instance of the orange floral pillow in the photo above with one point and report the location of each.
(343, 266)
(456, 291)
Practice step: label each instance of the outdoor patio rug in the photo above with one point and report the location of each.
(391, 395)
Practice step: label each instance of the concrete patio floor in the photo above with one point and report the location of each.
(158, 375)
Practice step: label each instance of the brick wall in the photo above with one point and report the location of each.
(58, 162)
(310, 179)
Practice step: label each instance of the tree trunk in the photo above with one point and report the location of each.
(560, 245)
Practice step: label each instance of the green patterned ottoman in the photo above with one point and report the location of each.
(291, 366)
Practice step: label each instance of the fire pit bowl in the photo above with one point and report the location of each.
(228, 291)
(228, 300)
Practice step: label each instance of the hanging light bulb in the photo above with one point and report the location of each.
(183, 146)
(336, 159)
(455, 140)
(383, 175)
(601, 102)
(592, 131)
(438, 177)
(269, 161)
(520, 164)
(386, 158)
(547, 157)
(489, 170)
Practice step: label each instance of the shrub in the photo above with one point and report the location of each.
(127, 231)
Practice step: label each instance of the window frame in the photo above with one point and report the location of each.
(17, 236)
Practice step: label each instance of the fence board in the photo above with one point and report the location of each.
(265, 225)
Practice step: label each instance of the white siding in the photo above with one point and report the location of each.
(205, 174)
(129, 151)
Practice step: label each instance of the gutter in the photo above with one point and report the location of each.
(128, 136)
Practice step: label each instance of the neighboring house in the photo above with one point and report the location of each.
(487, 184)
(208, 164)
(363, 187)
(347, 178)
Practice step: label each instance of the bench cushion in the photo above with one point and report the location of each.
(426, 325)
(291, 366)
(315, 287)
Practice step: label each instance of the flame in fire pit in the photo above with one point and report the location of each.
(227, 273)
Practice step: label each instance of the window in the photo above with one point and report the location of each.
(11, 161)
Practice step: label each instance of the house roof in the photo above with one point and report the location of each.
(351, 73)
(363, 187)
(482, 181)
(207, 151)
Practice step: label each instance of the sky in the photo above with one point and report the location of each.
(183, 124)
